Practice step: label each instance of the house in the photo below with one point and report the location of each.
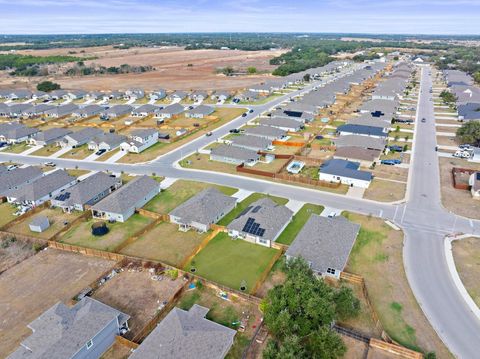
(116, 111)
(87, 111)
(365, 156)
(282, 123)
(234, 155)
(198, 95)
(200, 111)
(170, 111)
(134, 94)
(368, 120)
(474, 182)
(302, 117)
(202, 210)
(37, 110)
(37, 95)
(106, 141)
(47, 137)
(113, 95)
(94, 95)
(61, 110)
(87, 192)
(247, 96)
(74, 95)
(18, 177)
(362, 130)
(57, 94)
(265, 89)
(469, 111)
(14, 132)
(325, 244)
(39, 224)
(122, 204)
(221, 96)
(80, 137)
(85, 331)
(140, 140)
(261, 222)
(157, 95)
(187, 335)
(18, 109)
(145, 110)
(20, 94)
(360, 141)
(270, 133)
(42, 189)
(346, 172)
(177, 96)
(253, 143)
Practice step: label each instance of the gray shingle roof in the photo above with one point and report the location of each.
(186, 335)
(173, 109)
(85, 134)
(265, 131)
(238, 153)
(357, 153)
(201, 110)
(325, 242)
(61, 331)
(111, 139)
(205, 207)
(127, 196)
(89, 110)
(52, 134)
(147, 108)
(270, 216)
(17, 177)
(253, 142)
(360, 141)
(280, 122)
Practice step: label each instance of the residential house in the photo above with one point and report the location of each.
(85, 330)
(19, 94)
(38, 95)
(360, 141)
(18, 177)
(362, 130)
(140, 140)
(145, 110)
(61, 110)
(202, 210)
(88, 111)
(19, 109)
(253, 143)
(134, 94)
(122, 204)
(113, 95)
(116, 111)
(325, 244)
(270, 133)
(42, 189)
(177, 96)
(187, 335)
(57, 94)
(87, 192)
(74, 95)
(234, 155)
(170, 111)
(14, 132)
(94, 95)
(247, 96)
(157, 95)
(261, 222)
(345, 172)
(365, 156)
(264, 89)
(47, 137)
(221, 96)
(200, 111)
(80, 137)
(37, 110)
(282, 123)
(106, 141)
(198, 95)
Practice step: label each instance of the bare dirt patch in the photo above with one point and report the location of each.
(13, 251)
(355, 348)
(466, 253)
(37, 283)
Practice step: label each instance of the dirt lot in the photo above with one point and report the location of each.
(136, 294)
(385, 191)
(356, 349)
(391, 172)
(457, 200)
(172, 70)
(13, 251)
(33, 286)
(466, 253)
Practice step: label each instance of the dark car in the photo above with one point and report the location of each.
(396, 148)
(100, 152)
(234, 130)
(208, 134)
(3, 144)
(392, 162)
(319, 137)
(250, 111)
(196, 124)
(424, 120)
(244, 114)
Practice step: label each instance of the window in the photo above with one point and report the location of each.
(89, 344)
(263, 241)
(330, 271)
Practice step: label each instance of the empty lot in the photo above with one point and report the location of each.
(37, 283)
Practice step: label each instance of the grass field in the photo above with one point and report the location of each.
(81, 234)
(46, 151)
(245, 203)
(78, 153)
(298, 221)
(466, 253)
(6, 213)
(385, 191)
(232, 262)
(377, 256)
(178, 193)
(165, 243)
(17, 148)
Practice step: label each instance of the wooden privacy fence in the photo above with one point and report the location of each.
(154, 215)
(288, 143)
(395, 349)
(458, 171)
(267, 270)
(125, 342)
(137, 235)
(86, 251)
(202, 245)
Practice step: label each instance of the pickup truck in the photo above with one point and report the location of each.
(392, 162)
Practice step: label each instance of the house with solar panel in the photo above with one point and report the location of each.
(261, 222)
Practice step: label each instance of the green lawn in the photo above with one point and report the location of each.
(232, 262)
(297, 223)
(46, 151)
(81, 234)
(178, 193)
(17, 148)
(245, 203)
(6, 213)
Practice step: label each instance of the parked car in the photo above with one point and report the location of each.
(319, 137)
(396, 148)
(424, 120)
(196, 124)
(3, 144)
(208, 134)
(250, 111)
(462, 154)
(11, 167)
(391, 162)
(465, 146)
(234, 130)
(244, 114)
(50, 164)
(101, 151)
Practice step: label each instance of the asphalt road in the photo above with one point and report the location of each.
(422, 217)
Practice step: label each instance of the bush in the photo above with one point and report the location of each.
(47, 86)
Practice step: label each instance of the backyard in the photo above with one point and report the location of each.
(297, 223)
(166, 244)
(232, 263)
(81, 233)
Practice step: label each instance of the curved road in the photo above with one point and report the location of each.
(422, 217)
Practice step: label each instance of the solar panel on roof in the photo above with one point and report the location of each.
(253, 228)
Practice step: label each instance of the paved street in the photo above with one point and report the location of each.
(423, 219)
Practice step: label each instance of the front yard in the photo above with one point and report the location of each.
(232, 263)
(78, 153)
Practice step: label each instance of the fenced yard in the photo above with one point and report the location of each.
(297, 223)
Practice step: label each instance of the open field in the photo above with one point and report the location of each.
(13, 251)
(385, 191)
(136, 294)
(225, 312)
(297, 223)
(377, 256)
(466, 253)
(178, 193)
(165, 243)
(37, 283)
(57, 218)
(457, 200)
(172, 70)
(81, 233)
(232, 262)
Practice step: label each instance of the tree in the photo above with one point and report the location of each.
(251, 70)
(47, 86)
(347, 305)
(290, 349)
(228, 71)
(469, 133)
(476, 77)
(306, 77)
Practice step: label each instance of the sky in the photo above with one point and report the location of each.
(159, 16)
